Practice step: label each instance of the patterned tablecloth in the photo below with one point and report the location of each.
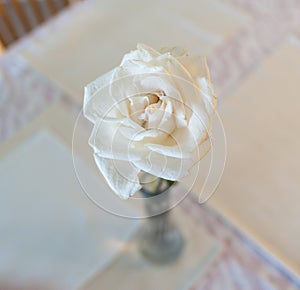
(241, 264)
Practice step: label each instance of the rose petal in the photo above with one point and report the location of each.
(167, 123)
(208, 95)
(164, 82)
(180, 144)
(133, 135)
(176, 51)
(161, 163)
(98, 102)
(108, 141)
(143, 52)
(164, 166)
(126, 84)
(197, 68)
(172, 151)
(121, 176)
(201, 150)
(185, 84)
(186, 139)
(194, 89)
(196, 65)
(153, 116)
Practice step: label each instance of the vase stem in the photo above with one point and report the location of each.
(160, 240)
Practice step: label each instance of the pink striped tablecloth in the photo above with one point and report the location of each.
(241, 264)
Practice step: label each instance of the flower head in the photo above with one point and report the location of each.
(153, 114)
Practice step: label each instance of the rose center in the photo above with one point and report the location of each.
(153, 98)
(146, 109)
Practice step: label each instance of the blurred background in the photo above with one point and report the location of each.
(53, 236)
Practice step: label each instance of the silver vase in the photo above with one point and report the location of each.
(160, 240)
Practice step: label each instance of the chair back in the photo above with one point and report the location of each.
(18, 17)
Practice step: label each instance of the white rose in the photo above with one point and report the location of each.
(153, 114)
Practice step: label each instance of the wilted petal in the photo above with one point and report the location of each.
(180, 144)
(108, 141)
(196, 65)
(201, 150)
(176, 51)
(121, 176)
(186, 139)
(172, 151)
(153, 116)
(167, 123)
(134, 135)
(184, 85)
(208, 95)
(199, 124)
(164, 166)
(98, 102)
(142, 53)
(172, 168)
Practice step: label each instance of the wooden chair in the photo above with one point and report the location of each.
(18, 17)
